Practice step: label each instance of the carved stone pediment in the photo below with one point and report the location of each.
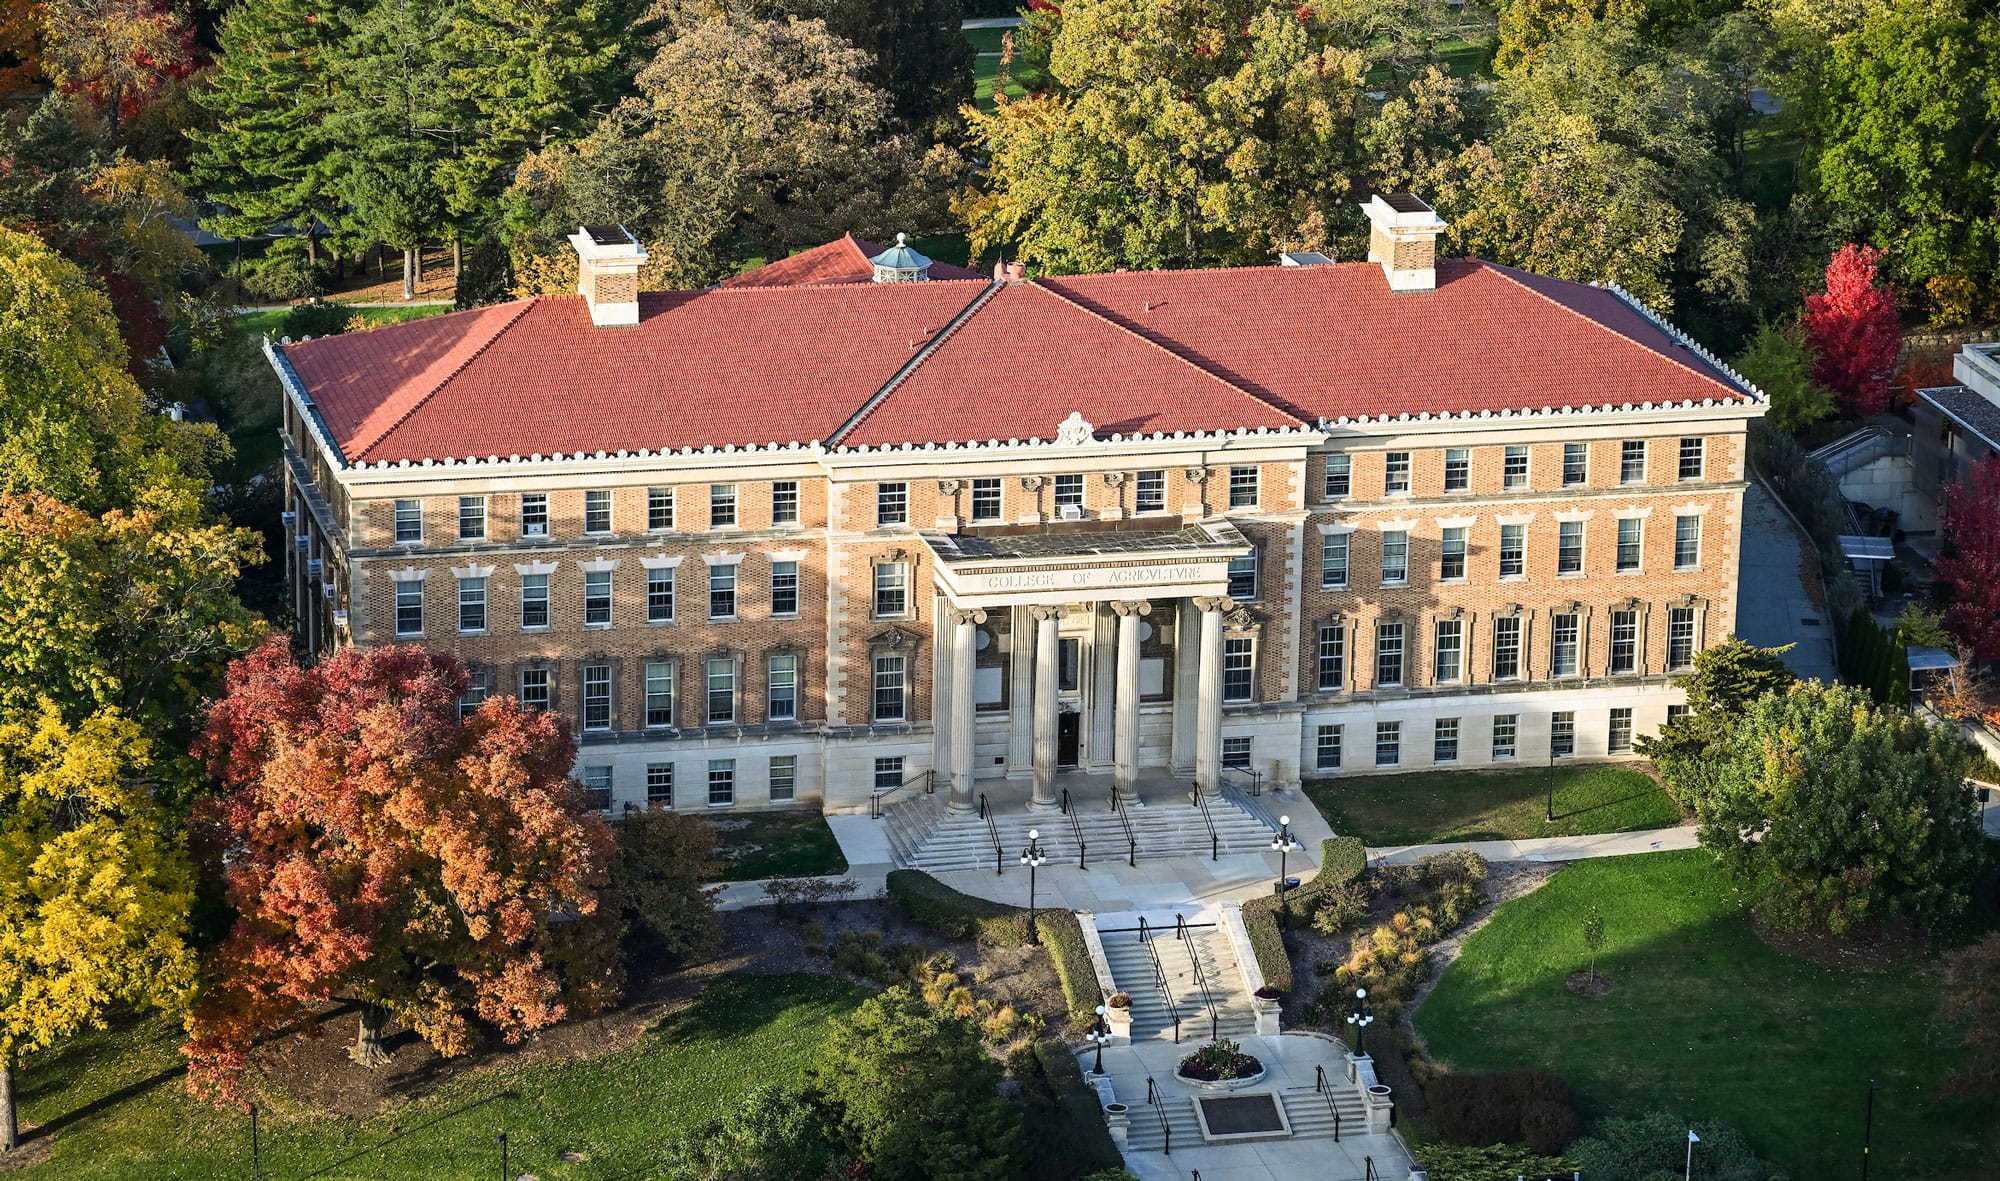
(894, 638)
(1242, 619)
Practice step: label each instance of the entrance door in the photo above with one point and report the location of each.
(1069, 735)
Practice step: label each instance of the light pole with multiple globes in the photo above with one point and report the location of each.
(1033, 858)
(1100, 1035)
(1283, 845)
(1361, 1018)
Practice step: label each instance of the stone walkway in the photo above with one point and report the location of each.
(1772, 607)
(1610, 844)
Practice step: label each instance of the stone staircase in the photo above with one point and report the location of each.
(1305, 1110)
(928, 837)
(1152, 1017)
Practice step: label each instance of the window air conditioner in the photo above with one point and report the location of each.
(304, 542)
(289, 518)
(1071, 512)
(340, 620)
(327, 589)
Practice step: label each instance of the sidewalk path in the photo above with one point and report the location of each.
(1609, 844)
(1772, 606)
(992, 22)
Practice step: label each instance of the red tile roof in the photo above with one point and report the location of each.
(847, 259)
(1131, 352)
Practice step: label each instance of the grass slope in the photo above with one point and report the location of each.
(1707, 1021)
(758, 845)
(121, 1114)
(1428, 807)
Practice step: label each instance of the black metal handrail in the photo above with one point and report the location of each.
(1369, 1163)
(1075, 829)
(925, 777)
(1214, 838)
(993, 834)
(1325, 1090)
(1160, 977)
(1254, 776)
(1200, 977)
(1159, 1113)
(1131, 840)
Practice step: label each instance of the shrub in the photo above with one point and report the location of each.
(1639, 1148)
(1341, 908)
(285, 274)
(1267, 943)
(1341, 860)
(1392, 1069)
(1494, 1162)
(1066, 1131)
(1516, 1106)
(316, 319)
(938, 908)
(662, 862)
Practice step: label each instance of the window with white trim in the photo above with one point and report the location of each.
(785, 502)
(596, 697)
(660, 594)
(409, 521)
(1149, 492)
(659, 694)
(888, 772)
(1675, 713)
(409, 608)
(892, 589)
(721, 505)
(1694, 453)
(1632, 461)
(537, 689)
(1236, 753)
(1239, 668)
(1619, 740)
(659, 785)
(478, 684)
(1451, 554)
(719, 674)
(890, 700)
(985, 499)
(1339, 475)
(597, 598)
(1457, 469)
(1507, 648)
(1388, 654)
(722, 591)
(1395, 557)
(1563, 644)
(892, 503)
(1243, 577)
(1513, 551)
(1333, 561)
(1631, 543)
(1569, 547)
(784, 588)
(534, 514)
(1388, 743)
(1330, 665)
(1680, 638)
(1326, 748)
(659, 510)
(1562, 733)
(1243, 486)
(597, 511)
(721, 782)
(1396, 473)
(534, 601)
(472, 518)
(784, 778)
(1448, 657)
(597, 788)
(1506, 728)
(1624, 641)
(1069, 490)
(781, 683)
(1687, 542)
(1514, 467)
(1576, 464)
(471, 605)
(1444, 740)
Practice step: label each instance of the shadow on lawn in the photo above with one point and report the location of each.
(103, 1102)
(404, 1132)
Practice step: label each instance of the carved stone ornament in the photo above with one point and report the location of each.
(1032, 483)
(1213, 603)
(1686, 601)
(1131, 607)
(948, 487)
(1196, 475)
(1074, 431)
(1046, 611)
(1242, 619)
(960, 616)
(1114, 479)
(893, 637)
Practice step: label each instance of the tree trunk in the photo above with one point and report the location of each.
(10, 1126)
(457, 257)
(367, 1048)
(409, 274)
(419, 252)
(312, 243)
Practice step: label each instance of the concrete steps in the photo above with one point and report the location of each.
(1305, 1110)
(931, 839)
(1220, 984)
(1143, 1132)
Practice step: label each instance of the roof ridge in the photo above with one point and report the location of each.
(896, 379)
(1156, 345)
(1511, 275)
(498, 332)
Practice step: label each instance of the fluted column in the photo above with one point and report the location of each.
(1208, 704)
(1047, 660)
(964, 701)
(1125, 743)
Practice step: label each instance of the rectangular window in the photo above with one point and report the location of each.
(892, 588)
(1451, 554)
(409, 521)
(1504, 729)
(1576, 464)
(1236, 753)
(784, 778)
(534, 601)
(781, 702)
(986, 499)
(785, 502)
(1332, 659)
(478, 683)
(1514, 471)
(472, 604)
(1687, 542)
(1632, 461)
(1243, 487)
(410, 608)
(1507, 648)
(1069, 490)
(888, 772)
(659, 785)
(534, 514)
(1243, 578)
(1339, 475)
(1444, 740)
(1631, 536)
(1619, 741)
(596, 697)
(659, 694)
(1388, 654)
(721, 505)
(1449, 662)
(659, 510)
(721, 782)
(1569, 547)
(1624, 641)
(1395, 558)
(597, 788)
(1680, 638)
(472, 518)
(1333, 561)
(1563, 645)
(660, 595)
(722, 592)
(597, 598)
(1150, 492)
(536, 689)
(720, 676)
(784, 588)
(597, 511)
(1396, 473)
(1457, 469)
(1562, 733)
(1675, 713)
(1691, 458)
(889, 694)
(892, 503)
(1388, 743)
(1326, 748)
(1069, 664)
(1513, 551)
(1238, 669)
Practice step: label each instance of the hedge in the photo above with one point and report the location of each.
(938, 908)
(1341, 860)
(1067, 1136)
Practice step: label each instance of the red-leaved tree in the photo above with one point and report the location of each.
(1854, 331)
(1970, 561)
(381, 851)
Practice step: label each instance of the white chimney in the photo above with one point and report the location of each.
(607, 273)
(1402, 236)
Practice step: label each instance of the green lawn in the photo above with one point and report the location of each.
(1021, 79)
(1707, 1021)
(1427, 807)
(122, 1114)
(758, 845)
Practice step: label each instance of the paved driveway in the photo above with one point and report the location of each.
(1772, 607)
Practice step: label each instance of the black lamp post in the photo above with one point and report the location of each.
(1868, 1128)
(1283, 845)
(1099, 1035)
(1361, 1018)
(501, 1140)
(1033, 858)
(256, 1149)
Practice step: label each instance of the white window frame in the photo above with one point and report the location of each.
(1506, 736)
(1330, 656)
(534, 514)
(1569, 548)
(892, 503)
(596, 711)
(1687, 541)
(1326, 747)
(1624, 643)
(891, 597)
(722, 506)
(1519, 551)
(1566, 655)
(783, 779)
(1576, 464)
(596, 512)
(889, 688)
(531, 582)
(1632, 547)
(1388, 744)
(781, 684)
(1239, 669)
(1694, 451)
(1149, 491)
(597, 600)
(987, 494)
(409, 597)
(1458, 469)
(660, 594)
(1510, 478)
(1243, 486)
(1628, 451)
(718, 677)
(660, 693)
(784, 502)
(721, 783)
(1395, 557)
(415, 516)
(472, 518)
(1618, 733)
(659, 510)
(1444, 740)
(1333, 560)
(1452, 550)
(1509, 640)
(1391, 643)
(1395, 473)
(1448, 652)
(1339, 481)
(722, 591)
(784, 589)
(472, 596)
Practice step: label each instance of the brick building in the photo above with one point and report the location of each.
(854, 516)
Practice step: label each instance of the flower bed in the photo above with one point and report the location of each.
(1220, 1061)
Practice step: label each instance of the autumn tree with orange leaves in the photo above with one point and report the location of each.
(443, 873)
